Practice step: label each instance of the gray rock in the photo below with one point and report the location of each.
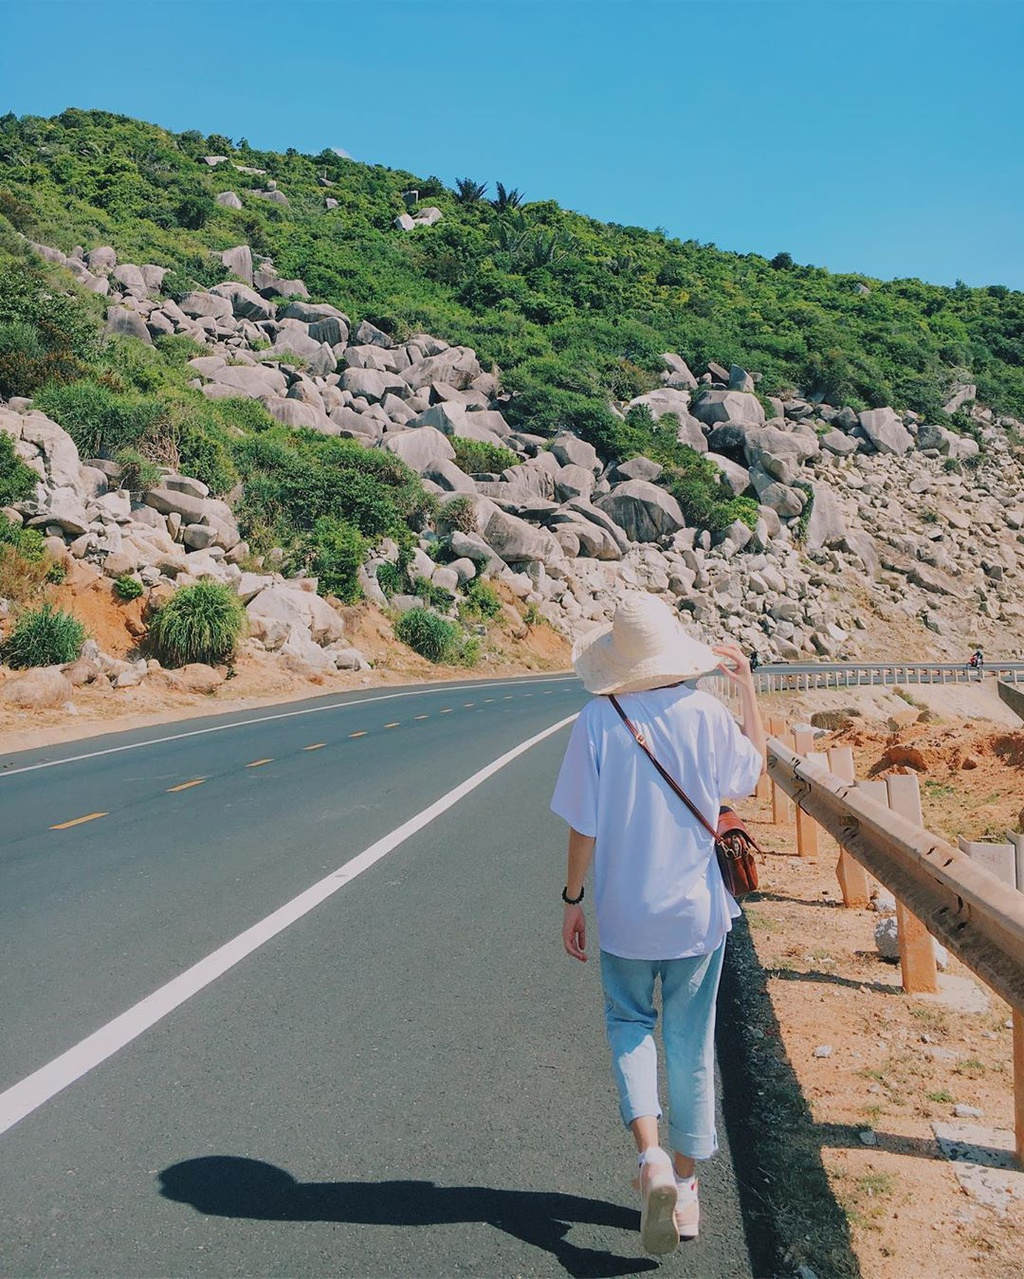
(374, 385)
(456, 366)
(124, 323)
(245, 302)
(310, 312)
(885, 431)
(367, 334)
(637, 468)
(838, 443)
(206, 305)
(737, 477)
(711, 407)
(239, 262)
(515, 541)
(45, 686)
(101, 261)
(680, 375)
(569, 449)
(131, 280)
(422, 448)
(826, 525)
(643, 510)
(228, 200)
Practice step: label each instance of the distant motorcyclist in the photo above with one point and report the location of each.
(977, 660)
(755, 661)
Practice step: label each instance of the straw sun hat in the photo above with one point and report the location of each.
(644, 647)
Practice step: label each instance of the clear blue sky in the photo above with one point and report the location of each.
(882, 136)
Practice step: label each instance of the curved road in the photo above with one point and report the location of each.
(219, 1056)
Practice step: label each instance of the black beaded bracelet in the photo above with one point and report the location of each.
(572, 901)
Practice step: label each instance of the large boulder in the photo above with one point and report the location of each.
(645, 511)
(239, 259)
(569, 449)
(246, 303)
(206, 305)
(295, 413)
(37, 689)
(374, 385)
(886, 431)
(253, 381)
(457, 366)
(516, 541)
(58, 452)
(421, 448)
(826, 525)
(711, 407)
(124, 323)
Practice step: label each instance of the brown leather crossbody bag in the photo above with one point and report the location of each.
(734, 844)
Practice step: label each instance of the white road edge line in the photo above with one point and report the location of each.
(42, 1085)
(266, 719)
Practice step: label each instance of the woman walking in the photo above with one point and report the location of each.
(662, 909)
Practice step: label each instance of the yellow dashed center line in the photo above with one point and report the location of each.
(508, 697)
(469, 703)
(89, 817)
(315, 747)
(396, 724)
(186, 785)
(447, 711)
(362, 733)
(257, 762)
(421, 717)
(488, 699)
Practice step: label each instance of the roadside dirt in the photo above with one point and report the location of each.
(869, 1059)
(510, 647)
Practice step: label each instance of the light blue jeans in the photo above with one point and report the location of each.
(689, 988)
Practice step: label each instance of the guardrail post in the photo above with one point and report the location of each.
(853, 878)
(806, 827)
(917, 950)
(781, 807)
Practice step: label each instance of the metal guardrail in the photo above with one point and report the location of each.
(965, 907)
(778, 678)
(969, 910)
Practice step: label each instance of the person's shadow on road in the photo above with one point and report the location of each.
(226, 1186)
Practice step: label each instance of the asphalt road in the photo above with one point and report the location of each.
(409, 1079)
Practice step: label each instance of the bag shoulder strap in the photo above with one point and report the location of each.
(639, 737)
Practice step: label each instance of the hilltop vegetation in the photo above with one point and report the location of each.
(573, 311)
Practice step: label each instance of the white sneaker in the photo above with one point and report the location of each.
(687, 1212)
(658, 1231)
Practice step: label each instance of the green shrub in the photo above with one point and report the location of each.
(28, 542)
(127, 587)
(138, 474)
(100, 420)
(200, 623)
(17, 481)
(475, 456)
(430, 635)
(391, 578)
(43, 637)
(333, 553)
(436, 596)
(481, 600)
(458, 513)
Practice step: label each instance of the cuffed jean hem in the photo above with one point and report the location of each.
(689, 988)
(693, 1145)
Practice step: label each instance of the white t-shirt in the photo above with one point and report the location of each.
(657, 887)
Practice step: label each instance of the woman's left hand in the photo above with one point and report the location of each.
(734, 662)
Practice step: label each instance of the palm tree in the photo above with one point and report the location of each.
(507, 199)
(469, 192)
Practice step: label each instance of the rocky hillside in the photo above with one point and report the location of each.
(849, 518)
